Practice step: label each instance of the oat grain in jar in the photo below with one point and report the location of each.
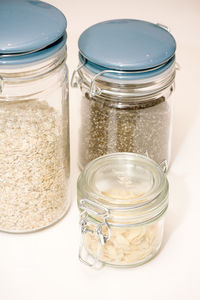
(34, 121)
(122, 198)
(126, 74)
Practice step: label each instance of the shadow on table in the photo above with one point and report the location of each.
(186, 110)
(178, 206)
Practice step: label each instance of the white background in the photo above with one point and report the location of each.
(44, 265)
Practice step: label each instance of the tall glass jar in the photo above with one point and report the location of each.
(122, 199)
(34, 124)
(126, 75)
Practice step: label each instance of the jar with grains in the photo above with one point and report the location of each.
(34, 121)
(122, 199)
(126, 75)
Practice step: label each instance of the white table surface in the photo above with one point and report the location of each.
(44, 265)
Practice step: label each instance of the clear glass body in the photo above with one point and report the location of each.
(128, 246)
(34, 144)
(122, 199)
(131, 116)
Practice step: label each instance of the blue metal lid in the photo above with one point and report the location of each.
(28, 26)
(126, 44)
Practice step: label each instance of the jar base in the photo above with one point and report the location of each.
(134, 265)
(65, 212)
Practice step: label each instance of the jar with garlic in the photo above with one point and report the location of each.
(122, 199)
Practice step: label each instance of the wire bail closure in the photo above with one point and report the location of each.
(75, 80)
(90, 208)
(163, 26)
(1, 84)
(95, 90)
(163, 164)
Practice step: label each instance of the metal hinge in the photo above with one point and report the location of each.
(90, 208)
(1, 84)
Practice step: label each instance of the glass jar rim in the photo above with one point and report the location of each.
(148, 206)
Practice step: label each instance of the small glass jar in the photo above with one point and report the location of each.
(34, 123)
(127, 82)
(122, 199)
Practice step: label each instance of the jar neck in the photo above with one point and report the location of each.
(102, 87)
(132, 200)
(33, 70)
(32, 80)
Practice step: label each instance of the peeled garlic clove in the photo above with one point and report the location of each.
(120, 241)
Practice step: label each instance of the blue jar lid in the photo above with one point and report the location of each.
(28, 26)
(127, 44)
(127, 75)
(33, 57)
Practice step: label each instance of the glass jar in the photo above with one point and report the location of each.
(126, 90)
(122, 199)
(34, 127)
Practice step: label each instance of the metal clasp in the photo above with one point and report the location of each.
(164, 165)
(1, 84)
(168, 29)
(90, 208)
(163, 26)
(75, 81)
(178, 67)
